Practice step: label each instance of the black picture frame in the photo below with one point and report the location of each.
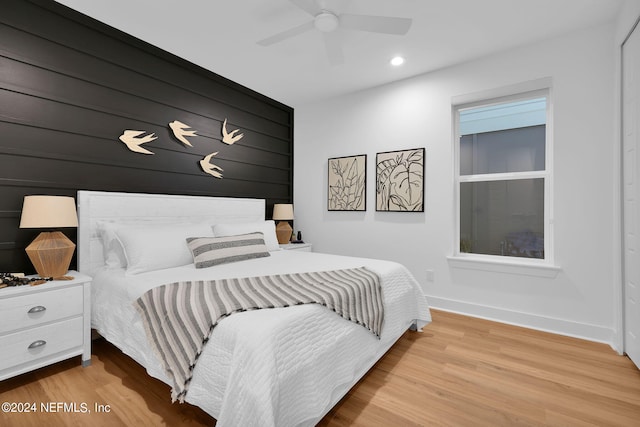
(347, 183)
(400, 181)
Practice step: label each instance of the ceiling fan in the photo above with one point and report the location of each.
(327, 22)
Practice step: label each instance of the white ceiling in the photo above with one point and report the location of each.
(221, 36)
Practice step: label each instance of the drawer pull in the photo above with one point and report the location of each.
(37, 344)
(37, 309)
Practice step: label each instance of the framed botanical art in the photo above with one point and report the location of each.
(347, 183)
(400, 181)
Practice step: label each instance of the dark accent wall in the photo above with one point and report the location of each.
(69, 87)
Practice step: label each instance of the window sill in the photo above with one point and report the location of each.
(504, 266)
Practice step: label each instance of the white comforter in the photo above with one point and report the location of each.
(276, 367)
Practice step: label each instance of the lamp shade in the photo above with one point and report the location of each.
(282, 211)
(48, 212)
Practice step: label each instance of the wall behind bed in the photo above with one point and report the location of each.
(69, 87)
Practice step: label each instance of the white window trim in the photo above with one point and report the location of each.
(496, 263)
(492, 263)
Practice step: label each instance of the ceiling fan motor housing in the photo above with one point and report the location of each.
(326, 22)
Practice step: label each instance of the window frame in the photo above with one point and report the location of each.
(512, 94)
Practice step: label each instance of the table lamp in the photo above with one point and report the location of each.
(50, 252)
(283, 213)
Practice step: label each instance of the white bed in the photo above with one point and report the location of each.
(272, 367)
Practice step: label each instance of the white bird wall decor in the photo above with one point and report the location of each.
(180, 132)
(210, 168)
(230, 137)
(133, 142)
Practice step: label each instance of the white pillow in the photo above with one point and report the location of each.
(267, 228)
(112, 250)
(154, 247)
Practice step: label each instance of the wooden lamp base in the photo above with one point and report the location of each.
(283, 231)
(50, 253)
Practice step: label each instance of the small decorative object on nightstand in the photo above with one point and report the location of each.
(302, 247)
(50, 252)
(283, 213)
(44, 324)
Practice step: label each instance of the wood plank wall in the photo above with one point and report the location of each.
(69, 87)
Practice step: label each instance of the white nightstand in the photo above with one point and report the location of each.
(303, 247)
(44, 324)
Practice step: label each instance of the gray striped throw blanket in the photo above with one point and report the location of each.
(179, 317)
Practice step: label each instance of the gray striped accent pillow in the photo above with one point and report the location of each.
(210, 251)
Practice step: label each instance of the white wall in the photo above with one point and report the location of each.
(417, 113)
(629, 14)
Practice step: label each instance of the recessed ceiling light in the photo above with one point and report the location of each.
(396, 61)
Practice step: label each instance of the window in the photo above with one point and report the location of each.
(503, 178)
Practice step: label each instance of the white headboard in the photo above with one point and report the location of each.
(94, 206)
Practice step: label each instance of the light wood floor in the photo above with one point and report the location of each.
(460, 372)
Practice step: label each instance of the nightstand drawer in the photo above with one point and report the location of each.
(36, 308)
(44, 341)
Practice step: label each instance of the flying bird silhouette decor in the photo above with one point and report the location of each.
(210, 168)
(133, 140)
(180, 132)
(230, 137)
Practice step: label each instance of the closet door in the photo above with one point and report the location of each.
(631, 191)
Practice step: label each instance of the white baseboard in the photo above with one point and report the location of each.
(532, 321)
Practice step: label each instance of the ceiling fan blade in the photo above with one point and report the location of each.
(375, 24)
(286, 34)
(309, 6)
(333, 48)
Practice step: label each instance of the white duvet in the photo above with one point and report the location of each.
(273, 367)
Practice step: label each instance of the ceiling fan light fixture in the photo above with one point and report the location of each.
(396, 61)
(326, 22)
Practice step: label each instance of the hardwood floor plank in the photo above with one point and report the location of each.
(362, 413)
(460, 371)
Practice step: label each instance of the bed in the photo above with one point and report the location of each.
(268, 367)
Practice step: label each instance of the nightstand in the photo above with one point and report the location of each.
(44, 324)
(302, 247)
